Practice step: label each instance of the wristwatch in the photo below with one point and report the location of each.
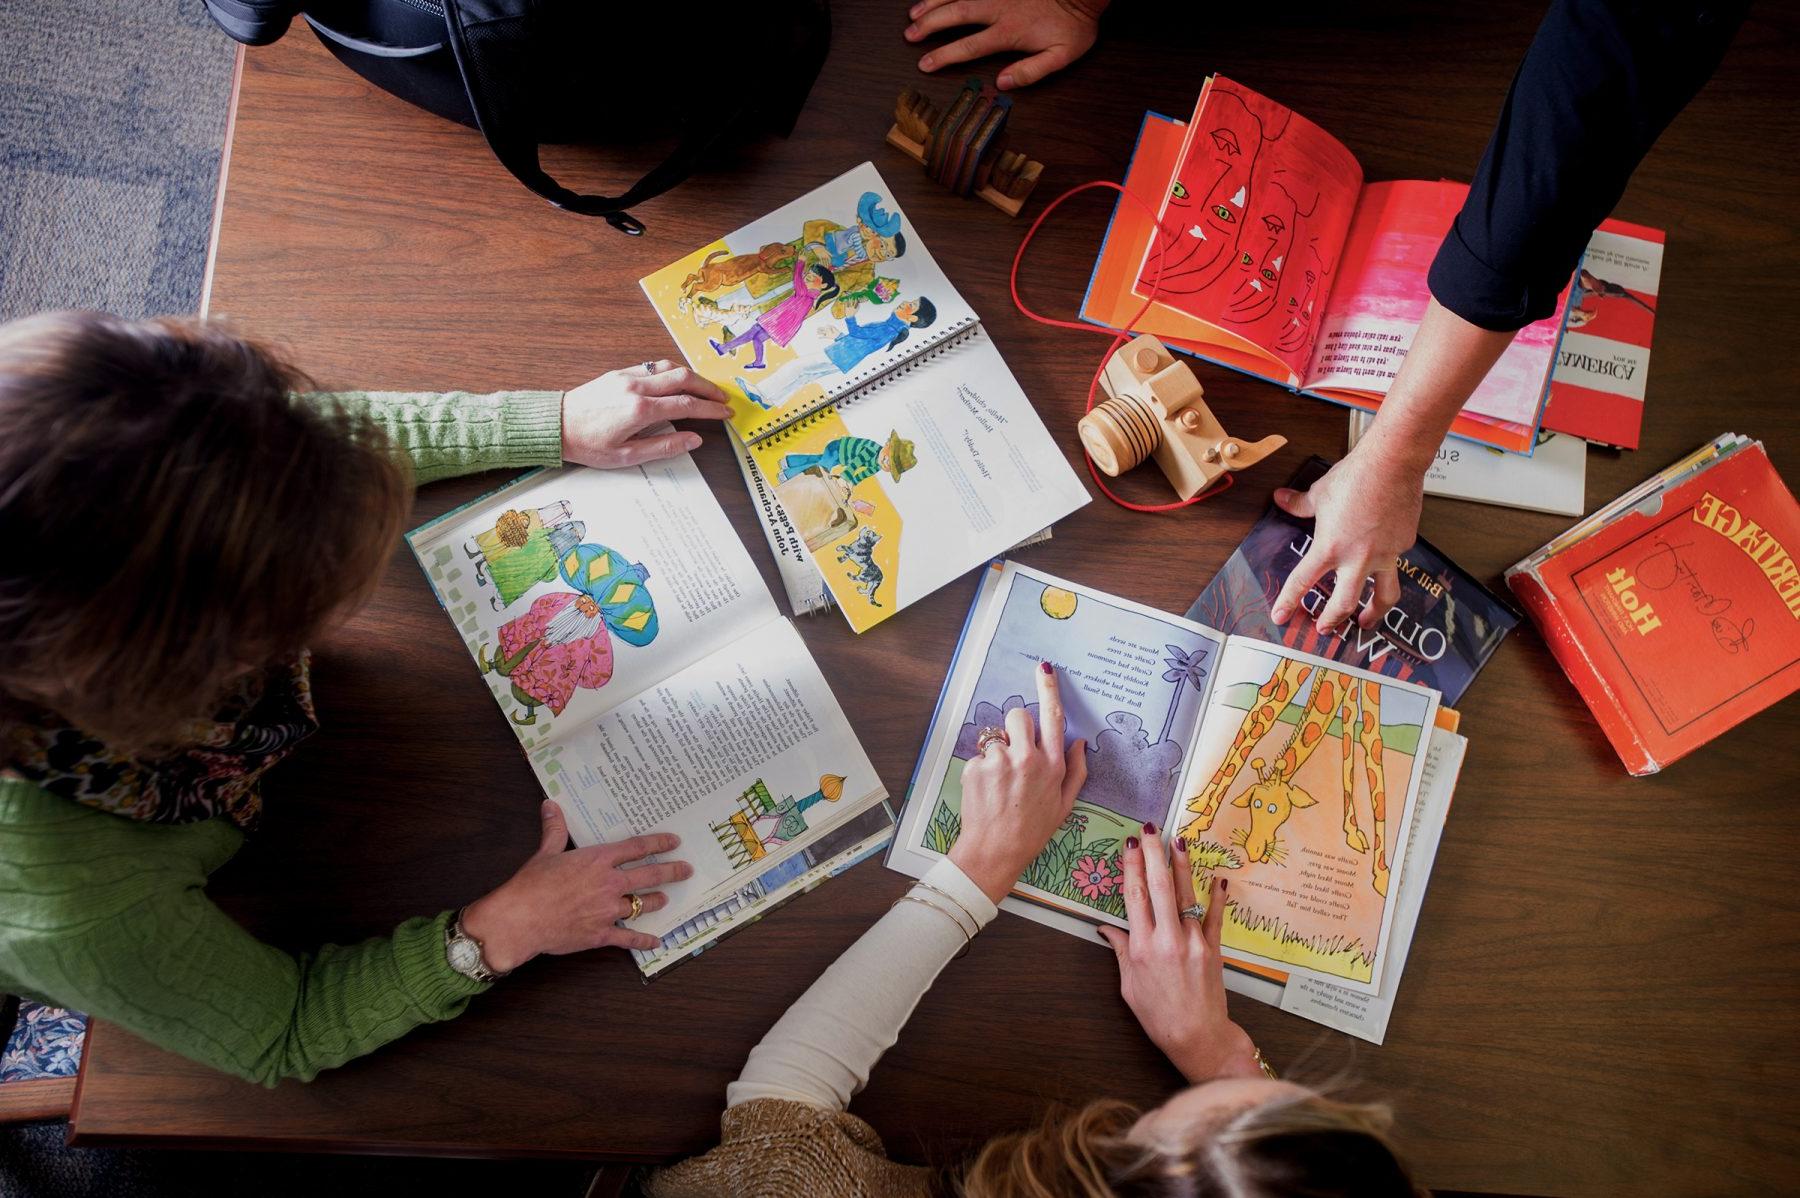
(463, 952)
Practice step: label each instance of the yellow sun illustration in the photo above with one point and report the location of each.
(1057, 603)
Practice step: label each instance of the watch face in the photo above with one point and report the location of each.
(465, 957)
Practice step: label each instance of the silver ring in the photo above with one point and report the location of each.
(1194, 912)
(987, 738)
(649, 367)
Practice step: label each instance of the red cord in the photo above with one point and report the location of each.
(1119, 339)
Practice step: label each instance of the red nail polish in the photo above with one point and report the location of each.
(1149, 828)
(1181, 844)
(1131, 842)
(1224, 885)
(1044, 666)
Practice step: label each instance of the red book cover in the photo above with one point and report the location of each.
(1597, 389)
(1681, 617)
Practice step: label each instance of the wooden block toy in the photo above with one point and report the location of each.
(1155, 407)
(962, 146)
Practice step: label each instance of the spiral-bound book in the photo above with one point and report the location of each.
(901, 450)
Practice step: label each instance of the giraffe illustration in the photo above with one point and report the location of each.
(1273, 797)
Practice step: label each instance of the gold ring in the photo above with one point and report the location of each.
(988, 737)
(637, 906)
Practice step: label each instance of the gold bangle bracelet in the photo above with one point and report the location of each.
(951, 898)
(955, 922)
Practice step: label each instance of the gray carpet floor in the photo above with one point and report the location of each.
(112, 118)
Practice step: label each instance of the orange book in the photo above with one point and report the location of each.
(1271, 255)
(1675, 609)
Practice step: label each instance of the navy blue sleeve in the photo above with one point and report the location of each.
(1600, 82)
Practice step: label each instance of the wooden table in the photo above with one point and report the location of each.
(1600, 997)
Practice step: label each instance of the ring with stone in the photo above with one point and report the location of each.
(988, 737)
(1194, 912)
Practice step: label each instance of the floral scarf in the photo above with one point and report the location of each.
(219, 772)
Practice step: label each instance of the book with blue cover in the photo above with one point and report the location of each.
(1441, 632)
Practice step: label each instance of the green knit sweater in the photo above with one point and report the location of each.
(109, 915)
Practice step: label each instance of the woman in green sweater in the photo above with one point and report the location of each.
(180, 519)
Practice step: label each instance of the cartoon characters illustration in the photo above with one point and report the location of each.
(761, 824)
(844, 354)
(867, 576)
(1274, 797)
(814, 286)
(851, 252)
(1281, 209)
(563, 642)
(522, 549)
(855, 459)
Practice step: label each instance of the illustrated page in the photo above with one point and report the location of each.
(1301, 782)
(919, 479)
(575, 589)
(816, 297)
(746, 756)
(1133, 684)
(1381, 296)
(1253, 221)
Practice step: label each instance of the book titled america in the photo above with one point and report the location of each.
(1441, 632)
(1675, 609)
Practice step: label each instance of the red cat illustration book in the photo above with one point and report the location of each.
(1675, 610)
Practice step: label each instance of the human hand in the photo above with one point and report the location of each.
(1365, 513)
(1051, 33)
(610, 422)
(565, 900)
(1016, 794)
(1171, 972)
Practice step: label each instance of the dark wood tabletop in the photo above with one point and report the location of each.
(1601, 995)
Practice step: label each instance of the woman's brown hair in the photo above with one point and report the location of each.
(1305, 1147)
(172, 516)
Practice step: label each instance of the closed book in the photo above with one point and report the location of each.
(1554, 479)
(1597, 388)
(1677, 616)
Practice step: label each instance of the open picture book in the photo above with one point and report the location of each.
(871, 402)
(1298, 777)
(647, 674)
(1270, 254)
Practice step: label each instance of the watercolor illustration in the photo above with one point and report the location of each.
(761, 824)
(1135, 747)
(564, 641)
(1297, 796)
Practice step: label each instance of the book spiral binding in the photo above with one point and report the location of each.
(952, 337)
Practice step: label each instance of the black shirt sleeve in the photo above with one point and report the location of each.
(1600, 82)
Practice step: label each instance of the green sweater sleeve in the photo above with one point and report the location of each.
(108, 915)
(453, 432)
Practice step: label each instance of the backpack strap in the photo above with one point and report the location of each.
(492, 43)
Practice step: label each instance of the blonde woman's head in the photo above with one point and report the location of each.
(1231, 1138)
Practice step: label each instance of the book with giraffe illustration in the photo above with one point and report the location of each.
(1293, 775)
(642, 665)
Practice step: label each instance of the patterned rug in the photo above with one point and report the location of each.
(113, 119)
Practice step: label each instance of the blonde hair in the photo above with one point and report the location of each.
(1311, 1145)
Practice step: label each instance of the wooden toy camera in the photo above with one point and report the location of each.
(1155, 407)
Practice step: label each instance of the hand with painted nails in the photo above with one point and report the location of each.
(1170, 969)
(1365, 514)
(1050, 33)
(565, 900)
(1018, 792)
(622, 417)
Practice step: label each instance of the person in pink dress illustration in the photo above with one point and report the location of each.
(814, 286)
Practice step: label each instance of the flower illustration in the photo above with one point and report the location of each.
(1094, 877)
(1077, 820)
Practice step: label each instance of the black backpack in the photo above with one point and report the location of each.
(534, 72)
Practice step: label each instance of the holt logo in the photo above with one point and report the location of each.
(1641, 613)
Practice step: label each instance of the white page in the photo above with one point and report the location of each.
(1267, 804)
(700, 583)
(686, 754)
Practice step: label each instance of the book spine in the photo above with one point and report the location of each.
(849, 390)
(1545, 612)
(964, 332)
